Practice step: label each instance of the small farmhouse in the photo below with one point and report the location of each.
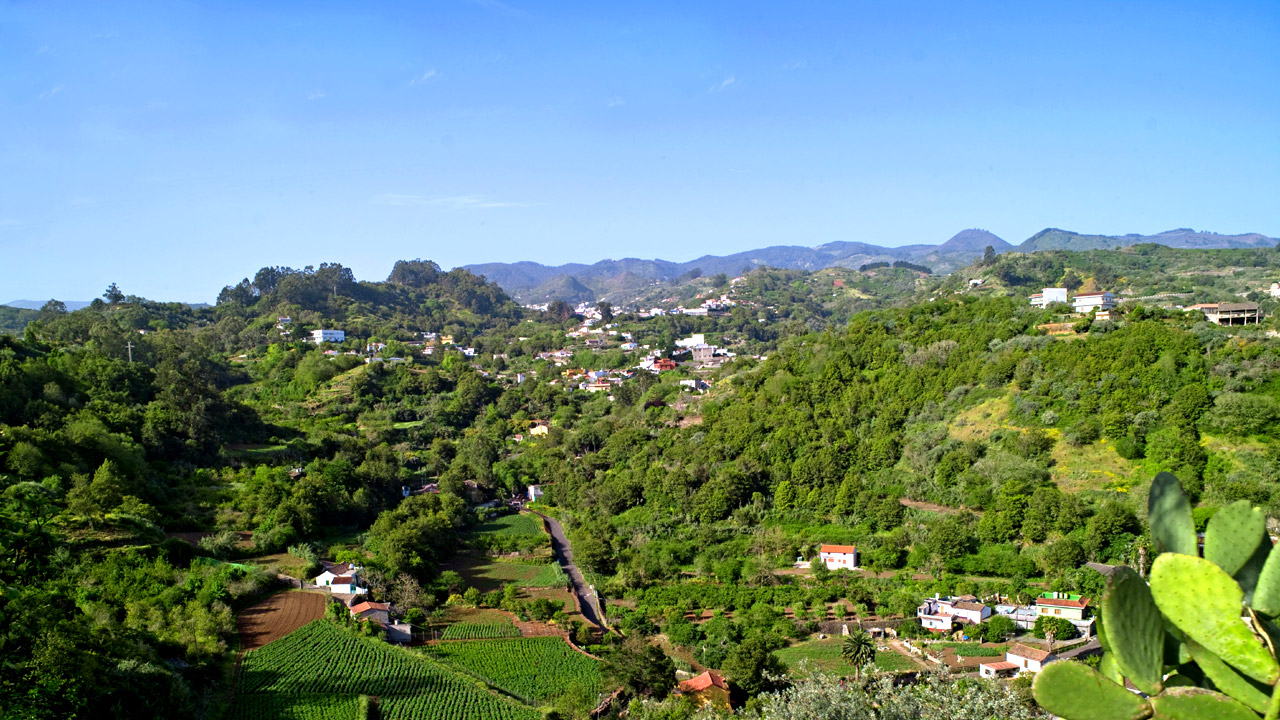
(709, 688)
(323, 336)
(343, 578)
(838, 557)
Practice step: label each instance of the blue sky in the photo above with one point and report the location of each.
(174, 148)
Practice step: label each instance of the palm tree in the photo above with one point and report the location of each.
(858, 650)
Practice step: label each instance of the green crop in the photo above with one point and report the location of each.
(1199, 640)
(480, 631)
(320, 671)
(533, 669)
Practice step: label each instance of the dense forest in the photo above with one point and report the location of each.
(931, 421)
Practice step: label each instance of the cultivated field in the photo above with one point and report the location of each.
(535, 669)
(278, 616)
(319, 672)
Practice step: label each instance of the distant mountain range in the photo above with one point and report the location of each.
(615, 280)
(37, 304)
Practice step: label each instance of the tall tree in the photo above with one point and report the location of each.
(113, 294)
(858, 650)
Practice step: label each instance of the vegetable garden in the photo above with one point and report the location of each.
(480, 631)
(319, 672)
(535, 669)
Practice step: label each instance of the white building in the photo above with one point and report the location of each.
(1018, 659)
(837, 557)
(1093, 301)
(323, 336)
(1275, 289)
(692, 340)
(342, 578)
(535, 493)
(940, 614)
(1047, 296)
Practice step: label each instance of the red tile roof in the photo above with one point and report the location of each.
(367, 606)
(707, 679)
(1029, 653)
(1002, 665)
(838, 549)
(342, 580)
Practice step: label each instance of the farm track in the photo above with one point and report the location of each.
(278, 616)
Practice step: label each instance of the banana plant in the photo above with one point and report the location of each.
(1198, 642)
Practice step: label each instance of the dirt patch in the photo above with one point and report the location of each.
(278, 616)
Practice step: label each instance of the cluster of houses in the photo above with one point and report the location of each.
(343, 581)
(1241, 313)
(945, 615)
(1102, 302)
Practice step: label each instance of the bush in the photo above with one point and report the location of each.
(1061, 628)
(1128, 448)
(1084, 432)
(997, 629)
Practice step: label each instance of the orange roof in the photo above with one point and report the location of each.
(367, 606)
(998, 666)
(838, 549)
(707, 679)
(1029, 653)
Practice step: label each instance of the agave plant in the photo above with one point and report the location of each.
(1199, 641)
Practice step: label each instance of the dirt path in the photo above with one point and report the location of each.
(901, 649)
(278, 616)
(564, 553)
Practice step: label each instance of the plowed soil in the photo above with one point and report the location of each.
(278, 616)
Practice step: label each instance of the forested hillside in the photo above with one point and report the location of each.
(930, 421)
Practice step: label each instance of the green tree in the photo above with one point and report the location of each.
(784, 497)
(751, 664)
(640, 669)
(113, 295)
(859, 650)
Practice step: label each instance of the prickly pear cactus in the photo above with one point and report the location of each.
(1199, 641)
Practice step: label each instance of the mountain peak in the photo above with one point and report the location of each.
(973, 240)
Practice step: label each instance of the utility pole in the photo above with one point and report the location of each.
(129, 345)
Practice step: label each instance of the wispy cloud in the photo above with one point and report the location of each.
(796, 65)
(50, 93)
(614, 101)
(427, 76)
(723, 84)
(316, 95)
(456, 202)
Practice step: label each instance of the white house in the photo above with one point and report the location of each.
(1087, 302)
(1275, 289)
(322, 336)
(1061, 604)
(837, 557)
(1018, 658)
(341, 578)
(942, 613)
(535, 493)
(692, 341)
(1047, 296)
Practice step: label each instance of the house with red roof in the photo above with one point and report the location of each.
(709, 688)
(838, 557)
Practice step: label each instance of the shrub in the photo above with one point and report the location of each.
(1061, 628)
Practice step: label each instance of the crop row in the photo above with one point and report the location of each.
(536, 669)
(480, 631)
(320, 670)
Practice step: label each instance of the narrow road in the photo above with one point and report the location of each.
(1086, 649)
(564, 553)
